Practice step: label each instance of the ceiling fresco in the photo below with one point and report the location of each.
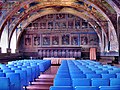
(97, 12)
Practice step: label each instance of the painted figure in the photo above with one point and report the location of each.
(36, 41)
(84, 40)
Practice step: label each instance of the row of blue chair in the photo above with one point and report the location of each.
(43, 64)
(85, 88)
(86, 73)
(19, 74)
(86, 82)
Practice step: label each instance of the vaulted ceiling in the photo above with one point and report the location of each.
(98, 12)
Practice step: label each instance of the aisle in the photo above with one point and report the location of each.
(45, 80)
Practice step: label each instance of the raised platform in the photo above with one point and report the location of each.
(57, 60)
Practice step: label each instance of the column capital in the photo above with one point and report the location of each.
(17, 50)
(8, 50)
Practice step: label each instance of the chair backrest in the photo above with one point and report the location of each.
(118, 75)
(33, 71)
(15, 80)
(2, 74)
(37, 69)
(78, 76)
(81, 82)
(114, 82)
(101, 72)
(90, 76)
(100, 82)
(15, 68)
(4, 83)
(29, 74)
(109, 87)
(8, 71)
(108, 76)
(89, 72)
(113, 71)
(23, 76)
(62, 75)
(86, 88)
(61, 88)
(62, 82)
(1, 70)
(76, 72)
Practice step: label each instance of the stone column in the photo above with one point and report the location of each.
(0, 50)
(118, 29)
(8, 50)
(16, 50)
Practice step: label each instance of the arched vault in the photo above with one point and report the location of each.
(96, 11)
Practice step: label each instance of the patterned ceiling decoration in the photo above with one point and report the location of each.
(99, 11)
(117, 2)
(37, 6)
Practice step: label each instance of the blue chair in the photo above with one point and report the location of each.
(29, 74)
(14, 80)
(107, 69)
(116, 69)
(113, 71)
(61, 88)
(26, 64)
(90, 76)
(3, 66)
(89, 72)
(4, 83)
(74, 69)
(19, 63)
(33, 71)
(37, 69)
(101, 72)
(11, 66)
(114, 82)
(22, 67)
(1, 70)
(108, 76)
(2, 74)
(78, 76)
(62, 71)
(23, 76)
(62, 82)
(95, 69)
(118, 75)
(76, 72)
(81, 82)
(8, 71)
(109, 87)
(63, 75)
(41, 67)
(15, 68)
(86, 88)
(100, 82)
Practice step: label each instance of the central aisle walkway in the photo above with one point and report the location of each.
(45, 80)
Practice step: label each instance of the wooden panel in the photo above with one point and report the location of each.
(60, 52)
(92, 53)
